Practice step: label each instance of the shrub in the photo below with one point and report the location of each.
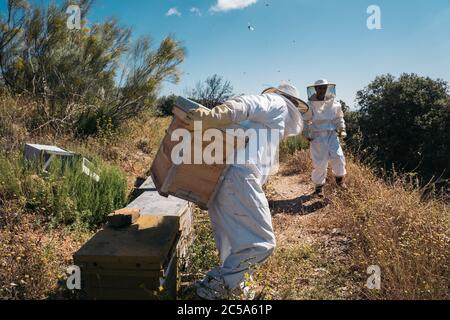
(212, 92)
(404, 124)
(64, 195)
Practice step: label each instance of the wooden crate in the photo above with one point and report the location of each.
(133, 262)
(197, 183)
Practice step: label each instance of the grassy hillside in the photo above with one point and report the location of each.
(323, 249)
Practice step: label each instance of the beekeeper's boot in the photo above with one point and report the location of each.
(340, 181)
(319, 192)
(211, 289)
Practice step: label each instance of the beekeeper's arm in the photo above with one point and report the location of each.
(219, 117)
(250, 107)
(339, 122)
(233, 111)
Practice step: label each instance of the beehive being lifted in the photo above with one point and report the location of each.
(197, 183)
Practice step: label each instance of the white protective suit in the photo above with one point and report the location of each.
(322, 123)
(240, 213)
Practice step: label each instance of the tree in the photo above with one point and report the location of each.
(73, 72)
(147, 70)
(353, 141)
(10, 28)
(212, 92)
(405, 123)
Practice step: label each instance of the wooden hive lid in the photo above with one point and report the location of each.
(149, 241)
(150, 203)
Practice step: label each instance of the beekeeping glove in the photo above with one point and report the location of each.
(219, 117)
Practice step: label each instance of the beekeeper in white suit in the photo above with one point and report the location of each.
(240, 213)
(324, 124)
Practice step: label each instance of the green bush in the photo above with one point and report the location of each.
(64, 194)
(404, 123)
(10, 171)
(289, 146)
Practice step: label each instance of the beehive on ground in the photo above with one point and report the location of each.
(138, 262)
(135, 262)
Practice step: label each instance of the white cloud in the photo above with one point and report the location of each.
(227, 5)
(196, 11)
(173, 12)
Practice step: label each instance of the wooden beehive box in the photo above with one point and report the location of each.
(197, 183)
(131, 263)
(151, 203)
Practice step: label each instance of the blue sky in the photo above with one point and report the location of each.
(294, 40)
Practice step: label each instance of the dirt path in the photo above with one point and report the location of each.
(311, 261)
(292, 209)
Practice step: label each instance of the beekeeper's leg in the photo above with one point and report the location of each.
(337, 157)
(223, 244)
(243, 226)
(319, 156)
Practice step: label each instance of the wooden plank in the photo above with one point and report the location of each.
(231, 142)
(185, 105)
(156, 273)
(150, 203)
(115, 263)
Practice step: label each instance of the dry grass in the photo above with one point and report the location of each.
(34, 258)
(312, 260)
(391, 227)
(407, 238)
(14, 116)
(203, 255)
(298, 164)
(306, 271)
